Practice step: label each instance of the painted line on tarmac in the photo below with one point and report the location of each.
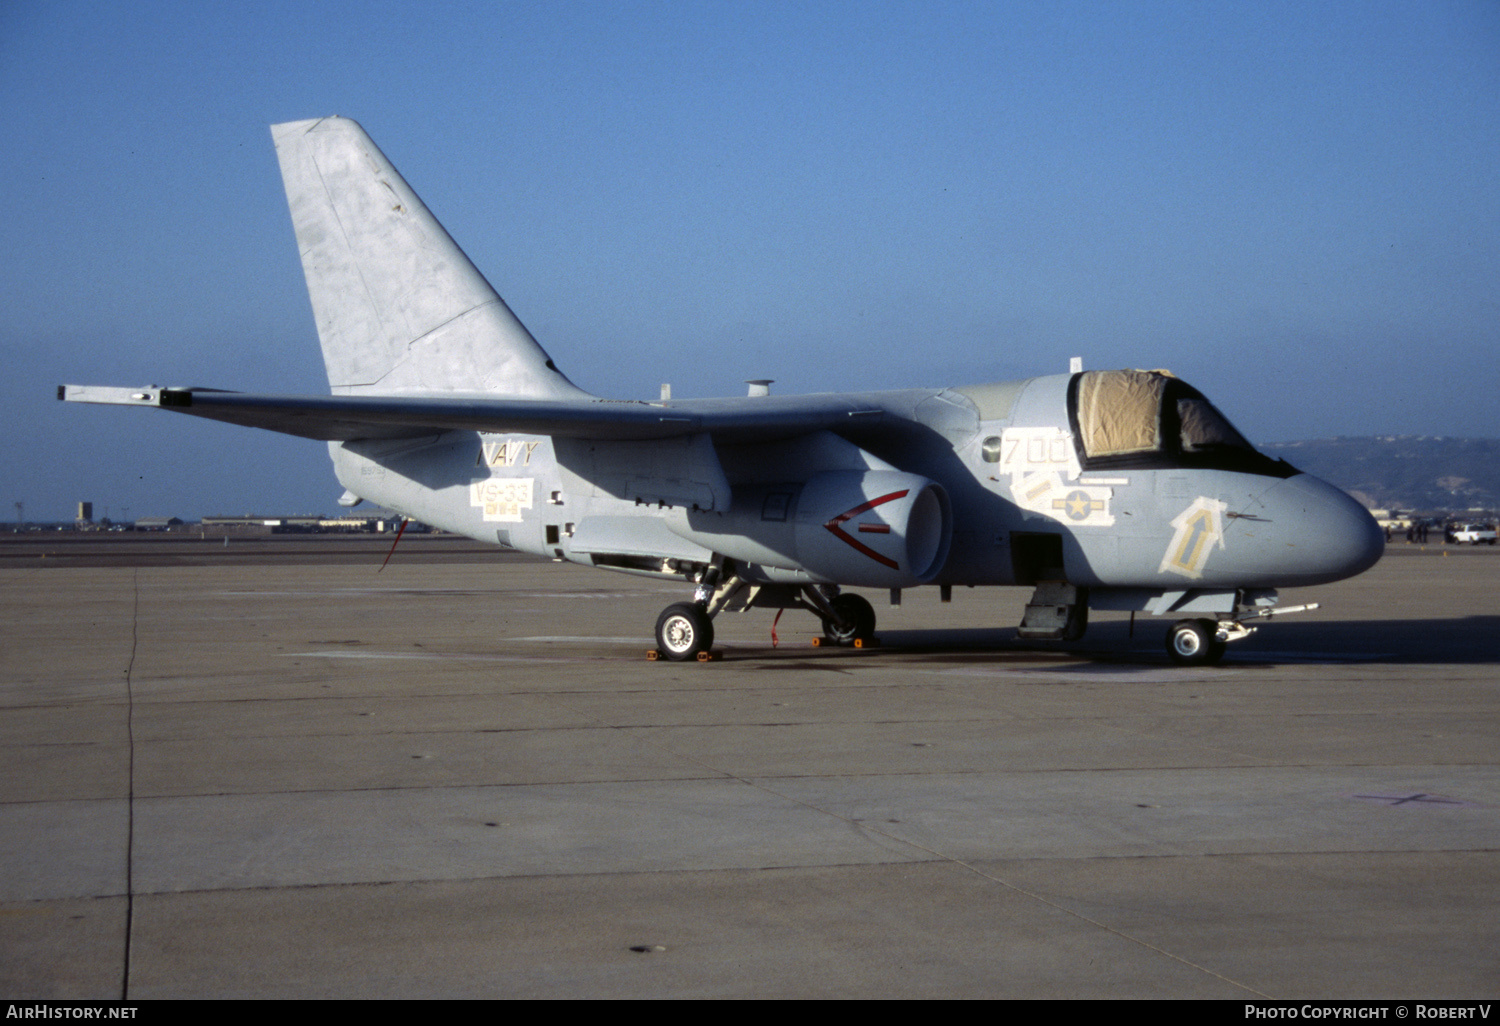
(580, 639)
(1308, 657)
(1050, 675)
(429, 657)
(592, 639)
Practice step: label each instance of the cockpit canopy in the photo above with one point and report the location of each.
(1150, 419)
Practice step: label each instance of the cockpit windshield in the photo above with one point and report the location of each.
(1202, 427)
(1134, 418)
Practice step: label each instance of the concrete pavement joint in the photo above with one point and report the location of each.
(135, 621)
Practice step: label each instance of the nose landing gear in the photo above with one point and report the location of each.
(1195, 643)
(1202, 642)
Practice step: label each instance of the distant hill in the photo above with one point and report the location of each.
(1404, 471)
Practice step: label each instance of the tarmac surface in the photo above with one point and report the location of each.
(276, 772)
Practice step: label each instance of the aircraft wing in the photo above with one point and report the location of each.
(344, 418)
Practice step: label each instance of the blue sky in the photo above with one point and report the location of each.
(1295, 206)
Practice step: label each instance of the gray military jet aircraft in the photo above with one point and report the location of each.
(1121, 490)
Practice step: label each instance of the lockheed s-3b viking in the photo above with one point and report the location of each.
(1117, 490)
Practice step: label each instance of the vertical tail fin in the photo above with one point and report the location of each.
(399, 307)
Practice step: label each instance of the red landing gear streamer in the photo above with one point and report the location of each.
(399, 530)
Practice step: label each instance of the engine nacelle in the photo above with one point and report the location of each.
(872, 529)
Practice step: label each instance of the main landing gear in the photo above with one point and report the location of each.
(685, 630)
(856, 620)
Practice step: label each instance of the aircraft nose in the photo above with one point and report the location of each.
(1324, 534)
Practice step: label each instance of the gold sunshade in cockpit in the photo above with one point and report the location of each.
(1119, 411)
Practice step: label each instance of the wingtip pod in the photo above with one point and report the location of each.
(400, 309)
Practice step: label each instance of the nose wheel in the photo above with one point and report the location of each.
(1195, 643)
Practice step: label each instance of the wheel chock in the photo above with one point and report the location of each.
(866, 642)
(654, 655)
(818, 642)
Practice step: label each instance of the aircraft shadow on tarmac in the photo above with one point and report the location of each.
(1471, 640)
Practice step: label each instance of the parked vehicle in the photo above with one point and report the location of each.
(1473, 534)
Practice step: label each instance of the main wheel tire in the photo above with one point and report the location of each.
(1192, 643)
(858, 614)
(682, 631)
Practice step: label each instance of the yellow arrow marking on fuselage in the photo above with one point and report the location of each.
(1198, 529)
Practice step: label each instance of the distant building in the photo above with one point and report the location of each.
(263, 524)
(85, 512)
